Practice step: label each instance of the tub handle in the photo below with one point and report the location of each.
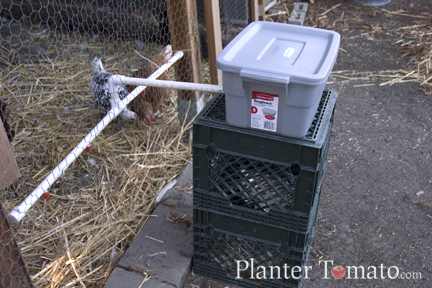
(263, 76)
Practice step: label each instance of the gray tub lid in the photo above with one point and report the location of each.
(306, 55)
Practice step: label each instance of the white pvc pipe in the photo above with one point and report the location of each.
(20, 211)
(168, 84)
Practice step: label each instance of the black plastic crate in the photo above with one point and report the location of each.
(255, 175)
(220, 240)
(215, 272)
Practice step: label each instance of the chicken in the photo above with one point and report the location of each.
(101, 92)
(4, 115)
(148, 102)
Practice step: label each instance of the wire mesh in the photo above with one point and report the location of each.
(234, 15)
(76, 232)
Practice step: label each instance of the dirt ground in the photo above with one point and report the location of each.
(376, 202)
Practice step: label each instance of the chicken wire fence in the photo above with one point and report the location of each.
(234, 15)
(74, 234)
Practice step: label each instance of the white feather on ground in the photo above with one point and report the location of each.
(103, 95)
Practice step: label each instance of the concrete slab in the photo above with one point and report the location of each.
(185, 176)
(164, 248)
(124, 279)
(127, 279)
(151, 283)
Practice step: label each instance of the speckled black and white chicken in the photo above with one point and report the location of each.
(4, 116)
(103, 96)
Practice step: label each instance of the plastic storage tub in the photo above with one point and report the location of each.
(274, 75)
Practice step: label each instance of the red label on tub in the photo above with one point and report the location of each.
(263, 96)
(254, 110)
(269, 117)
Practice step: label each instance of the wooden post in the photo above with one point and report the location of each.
(262, 4)
(214, 38)
(254, 10)
(13, 272)
(183, 24)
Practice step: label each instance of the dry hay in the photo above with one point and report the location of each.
(417, 43)
(413, 41)
(105, 197)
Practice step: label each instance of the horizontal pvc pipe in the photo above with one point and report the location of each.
(20, 211)
(168, 84)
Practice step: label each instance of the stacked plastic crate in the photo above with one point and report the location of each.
(256, 197)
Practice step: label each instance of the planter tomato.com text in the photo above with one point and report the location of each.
(259, 272)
